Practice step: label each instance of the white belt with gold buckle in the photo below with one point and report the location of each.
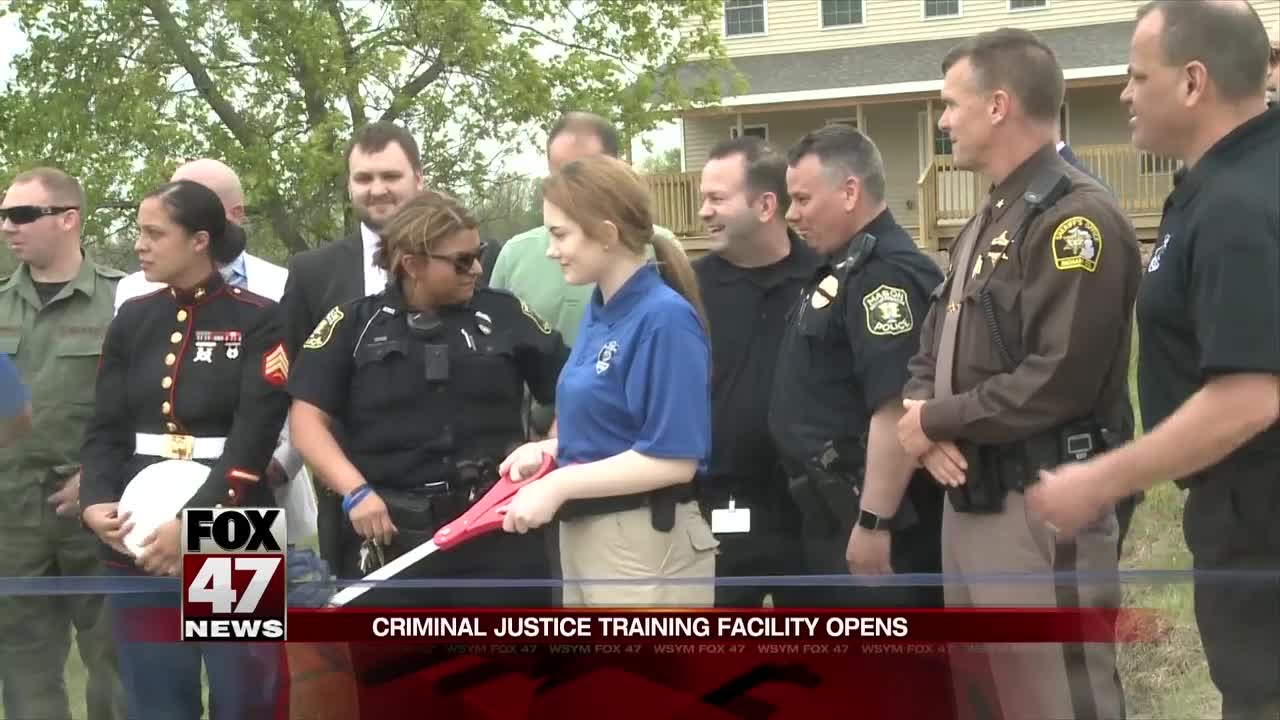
(179, 447)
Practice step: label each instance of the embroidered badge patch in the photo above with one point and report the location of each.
(324, 331)
(887, 310)
(1077, 244)
(605, 356)
(543, 325)
(275, 366)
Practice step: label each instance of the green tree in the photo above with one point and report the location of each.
(667, 161)
(120, 91)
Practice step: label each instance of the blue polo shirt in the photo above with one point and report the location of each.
(638, 378)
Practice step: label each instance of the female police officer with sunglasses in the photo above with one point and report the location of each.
(406, 401)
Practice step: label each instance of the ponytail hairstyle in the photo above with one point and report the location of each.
(194, 207)
(599, 189)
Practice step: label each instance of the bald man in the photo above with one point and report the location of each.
(265, 279)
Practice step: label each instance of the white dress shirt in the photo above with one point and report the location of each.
(375, 278)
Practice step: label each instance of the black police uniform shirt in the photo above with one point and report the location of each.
(846, 347)
(209, 362)
(364, 366)
(1209, 303)
(747, 314)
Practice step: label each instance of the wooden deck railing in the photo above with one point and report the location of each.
(676, 202)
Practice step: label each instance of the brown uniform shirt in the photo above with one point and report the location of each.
(1063, 297)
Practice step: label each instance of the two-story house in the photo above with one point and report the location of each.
(876, 64)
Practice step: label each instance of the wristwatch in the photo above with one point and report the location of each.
(868, 520)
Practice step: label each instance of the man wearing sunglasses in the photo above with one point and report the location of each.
(54, 312)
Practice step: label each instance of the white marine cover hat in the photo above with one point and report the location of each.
(157, 494)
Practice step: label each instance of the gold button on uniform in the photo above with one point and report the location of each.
(182, 315)
(170, 427)
(166, 407)
(166, 383)
(231, 493)
(199, 293)
(175, 338)
(170, 359)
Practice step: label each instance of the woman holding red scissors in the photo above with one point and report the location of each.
(633, 404)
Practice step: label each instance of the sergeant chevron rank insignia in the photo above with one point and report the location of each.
(275, 366)
(888, 311)
(1077, 244)
(324, 331)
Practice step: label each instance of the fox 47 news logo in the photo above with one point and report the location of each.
(233, 574)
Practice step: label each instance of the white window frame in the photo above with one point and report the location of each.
(1038, 8)
(1064, 116)
(821, 26)
(749, 126)
(724, 25)
(850, 120)
(924, 15)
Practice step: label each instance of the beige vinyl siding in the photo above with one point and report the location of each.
(796, 25)
(1097, 117)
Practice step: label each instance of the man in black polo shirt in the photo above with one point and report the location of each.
(750, 279)
(842, 365)
(1209, 327)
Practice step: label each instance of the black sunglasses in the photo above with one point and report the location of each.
(463, 261)
(24, 214)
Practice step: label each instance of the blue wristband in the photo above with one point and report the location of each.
(350, 501)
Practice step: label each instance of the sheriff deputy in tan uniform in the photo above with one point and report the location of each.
(1023, 365)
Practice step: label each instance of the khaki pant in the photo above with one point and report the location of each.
(624, 545)
(1042, 681)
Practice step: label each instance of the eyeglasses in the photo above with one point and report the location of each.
(463, 261)
(24, 214)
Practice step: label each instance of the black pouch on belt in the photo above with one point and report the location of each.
(417, 513)
(981, 491)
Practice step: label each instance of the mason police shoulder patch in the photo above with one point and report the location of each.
(324, 331)
(1077, 244)
(543, 325)
(888, 311)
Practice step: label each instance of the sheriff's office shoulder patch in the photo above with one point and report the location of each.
(324, 331)
(1077, 244)
(543, 325)
(275, 365)
(888, 311)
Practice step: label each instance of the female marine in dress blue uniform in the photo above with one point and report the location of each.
(193, 371)
(633, 403)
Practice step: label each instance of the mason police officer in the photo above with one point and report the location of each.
(749, 281)
(1023, 364)
(1209, 328)
(840, 372)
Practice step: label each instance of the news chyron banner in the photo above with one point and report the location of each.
(234, 574)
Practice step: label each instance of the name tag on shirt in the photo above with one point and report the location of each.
(732, 519)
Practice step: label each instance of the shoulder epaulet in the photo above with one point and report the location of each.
(542, 325)
(1045, 189)
(249, 298)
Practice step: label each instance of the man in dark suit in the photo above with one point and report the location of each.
(384, 170)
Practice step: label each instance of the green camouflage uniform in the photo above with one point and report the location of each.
(56, 348)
